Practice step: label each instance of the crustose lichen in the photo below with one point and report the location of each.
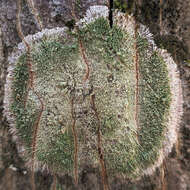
(98, 95)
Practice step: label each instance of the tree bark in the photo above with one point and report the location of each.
(171, 32)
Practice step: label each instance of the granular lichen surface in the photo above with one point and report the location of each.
(66, 85)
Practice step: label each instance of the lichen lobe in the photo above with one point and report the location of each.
(66, 83)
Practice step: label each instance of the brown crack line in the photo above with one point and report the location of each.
(99, 146)
(72, 106)
(82, 49)
(31, 77)
(84, 57)
(35, 132)
(29, 86)
(136, 60)
(75, 143)
(101, 158)
(35, 13)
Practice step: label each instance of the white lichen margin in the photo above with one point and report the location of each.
(126, 23)
(8, 96)
(176, 106)
(175, 112)
(92, 14)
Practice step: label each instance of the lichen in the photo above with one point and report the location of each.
(86, 80)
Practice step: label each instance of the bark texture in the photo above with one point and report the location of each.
(169, 21)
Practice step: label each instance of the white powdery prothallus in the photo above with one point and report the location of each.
(92, 14)
(176, 106)
(8, 97)
(127, 23)
(175, 111)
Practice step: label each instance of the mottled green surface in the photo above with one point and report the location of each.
(155, 100)
(24, 118)
(59, 78)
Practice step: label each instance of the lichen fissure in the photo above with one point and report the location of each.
(99, 145)
(35, 132)
(83, 54)
(92, 99)
(92, 102)
(30, 86)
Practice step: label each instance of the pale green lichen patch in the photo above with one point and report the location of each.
(59, 79)
(25, 117)
(58, 76)
(113, 74)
